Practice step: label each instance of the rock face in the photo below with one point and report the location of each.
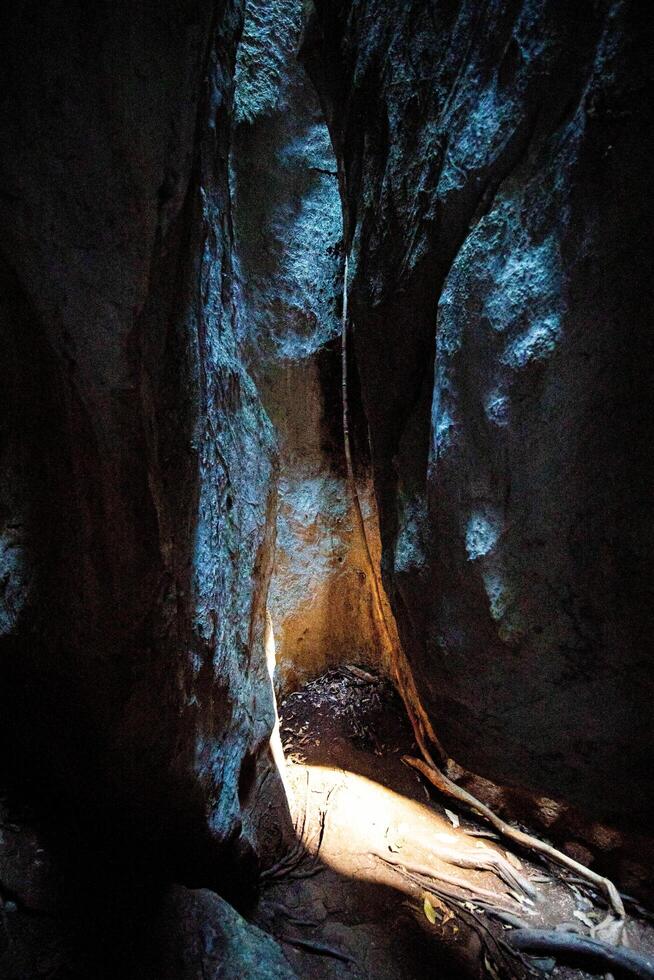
(198, 936)
(137, 466)
(288, 229)
(495, 190)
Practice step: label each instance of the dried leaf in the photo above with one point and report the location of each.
(452, 817)
(512, 859)
(440, 907)
(430, 911)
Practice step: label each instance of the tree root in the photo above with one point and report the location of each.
(498, 954)
(488, 860)
(401, 674)
(507, 918)
(319, 949)
(485, 860)
(286, 865)
(589, 954)
(425, 877)
(290, 864)
(431, 772)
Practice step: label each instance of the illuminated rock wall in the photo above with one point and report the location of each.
(288, 227)
(496, 180)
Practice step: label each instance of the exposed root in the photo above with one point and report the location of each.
(425, 877)
(280, 910)
(481, 860)
(589, 954)
(498, 954)
(319, 949)
(290, 865)
(487, 860)
(507, 918)
(285, 866)
(431, 772)
(401, 674)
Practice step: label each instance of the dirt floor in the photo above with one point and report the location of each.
(352, 899)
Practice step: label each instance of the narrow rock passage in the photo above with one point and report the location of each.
(326, 357)
(355, 409)
(355, 901)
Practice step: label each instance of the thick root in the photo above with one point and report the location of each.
(589, 954)
(500, 958)
(487, 860)
(431, 772)
(425, 876)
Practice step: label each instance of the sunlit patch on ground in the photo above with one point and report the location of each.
(368, 889)
(364, 819)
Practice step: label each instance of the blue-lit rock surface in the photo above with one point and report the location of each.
(137, 484)
(198, 936)
(496, 184)
(172, 244)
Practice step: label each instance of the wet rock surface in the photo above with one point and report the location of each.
(495, 189)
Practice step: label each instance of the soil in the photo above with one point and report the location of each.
(337, 904)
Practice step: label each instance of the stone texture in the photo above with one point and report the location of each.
(198, 936)
(137, 466)
(288, 229)
(496, 197)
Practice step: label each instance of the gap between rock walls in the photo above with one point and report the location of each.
(284, 341)
(325, 493)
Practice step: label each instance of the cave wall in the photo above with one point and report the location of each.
(495, 189)
(137, 466)
(288, 233)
